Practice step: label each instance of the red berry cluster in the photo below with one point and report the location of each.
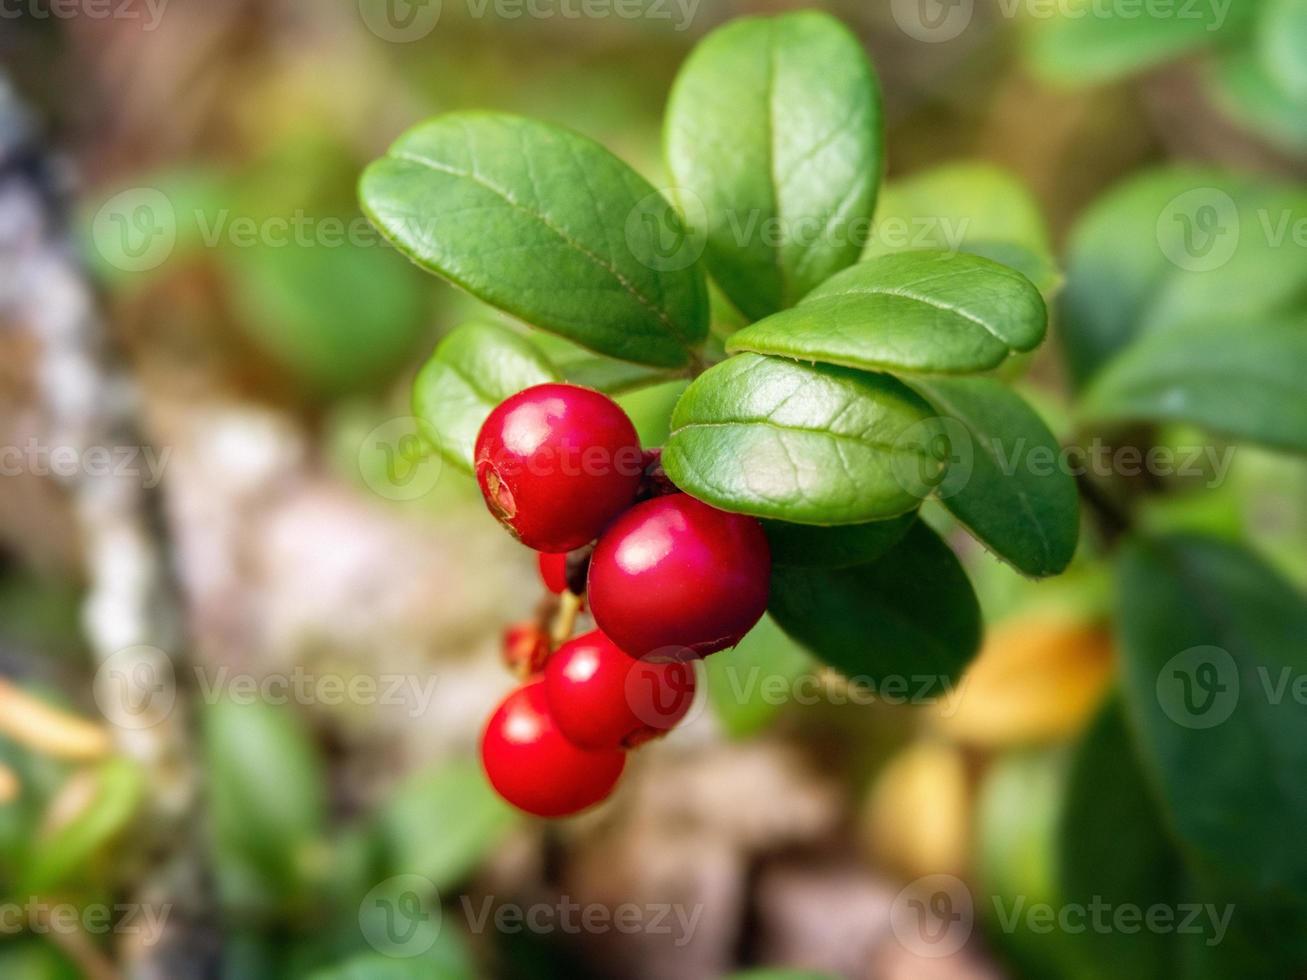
(667, 579)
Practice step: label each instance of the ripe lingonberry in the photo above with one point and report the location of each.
(674, 572)
(534, 767)
(525, 650)
(553, 571)
(556, 463)
(601, 698)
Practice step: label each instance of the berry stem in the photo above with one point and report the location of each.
(569, 604)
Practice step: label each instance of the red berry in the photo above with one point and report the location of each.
(603, 699)
(534, 767)
(526, 648)
(556, 463)
(553, 572)
(673, 572)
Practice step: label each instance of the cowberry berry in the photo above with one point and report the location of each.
(556, 463)
(673, 572)
(601, 698)
(553, 571)
(534, 767)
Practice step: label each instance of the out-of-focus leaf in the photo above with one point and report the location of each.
(1281, 41)
(35, 959)
(441, 824)
(1210, 648)
(919, 812)
(545, 224)
(1242, 86)
(651, 410)
(579, 366)
(923, 312)
(1244, 381)
(1174, 245)
(776, 121)
(105, 800)
(910, 616)
(749, 684)
(473, 369)
(377, 966)
(341, 318)
(810, 444)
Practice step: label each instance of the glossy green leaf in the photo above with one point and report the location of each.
(442, 824)
(545, 224)
(116, 790)
(811, 546)
(1211, 653)
(1097, 40)
(1245, 381)
(809, 444)
(910, 614)
(473, 369)
(1282, 44)
(774, 140)
(579, 366)
(267, 797)
(1006, 483)
(1113, 848)
(966, 207)
(914, 312)
(1174, 245)
(750, 684)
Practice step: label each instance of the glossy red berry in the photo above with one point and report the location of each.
(601, 698)
(556, 463)
(673, 572)
(533, 767)
(525, 649)
(553, 571)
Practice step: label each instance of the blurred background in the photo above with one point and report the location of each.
(211, 493)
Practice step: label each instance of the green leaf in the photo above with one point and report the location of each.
(473, 369)
(969, 207)
(1281, 41)
(809, 444)
(1243, 381)
(1211, 645)
(911, 614)
(1005, 482)
(1113, 849)
(341, 318)
(379, 966)
(916, 312)
(811, 546)
(266, 795)
(115, 792)
(36, 959)
(1178, 244)
(442, 824)
(1094, 41)
(545, 224)
(749, 684)
(651, 410)
(1253, 99)
(774, 139)
(579, 366)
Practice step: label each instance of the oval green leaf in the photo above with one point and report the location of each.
(914, 312)
(1005, 483)
(910, 616)
(774, 140)
(1244, 381)
(473, 369)
(545, 224)
(809, 444)
(810, 546)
